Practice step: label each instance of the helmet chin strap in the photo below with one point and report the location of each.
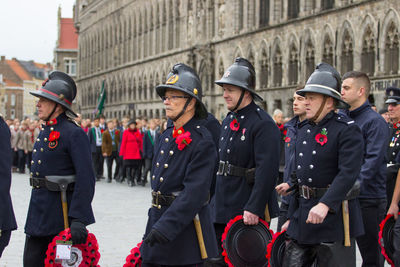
(321, 107)
(183, 110)
(239, 101)
(51, 113)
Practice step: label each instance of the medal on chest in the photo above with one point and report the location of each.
(243, 132)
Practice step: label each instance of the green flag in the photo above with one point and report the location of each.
(100, 100)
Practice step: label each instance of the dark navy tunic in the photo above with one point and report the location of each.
(376, 134)
(70, 156)
(335, 164)
(254, 145)
(7, 218)
(290, 145)
(187, 174)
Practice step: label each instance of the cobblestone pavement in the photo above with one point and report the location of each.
(120, 211)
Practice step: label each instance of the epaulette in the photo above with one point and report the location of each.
(261, 114)
(73, 121)
(202, 130)
(344, 119)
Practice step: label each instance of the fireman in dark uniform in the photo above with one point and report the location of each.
(248, 153)
(393, 102)
(182, 172)
(329, 154)
(7, 218)
(62, 148)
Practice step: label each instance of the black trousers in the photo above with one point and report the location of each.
(98, 162)
(21, 160)
(109, 160)
(373, 212)
(4, 240)
(146, 168)
(132, 169)
(35, 250)
(29, 159)
(324, 254)
(283, 210)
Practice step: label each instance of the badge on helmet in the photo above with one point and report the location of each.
(241, 74)
(325, 80)
(183, 78)
(59, 88)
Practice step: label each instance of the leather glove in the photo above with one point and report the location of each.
(155, 237)
(78, 232)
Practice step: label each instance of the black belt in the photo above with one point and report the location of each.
(37, 183)
(224, 168)
(159, 200)
(311, 192)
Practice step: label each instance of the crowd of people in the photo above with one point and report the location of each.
(334, 164)
(127, 143)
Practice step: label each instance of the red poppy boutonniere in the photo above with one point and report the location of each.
(53, 139)
(234, 125)
(287, 139)
(183, 140)
(177, 132)
(322, 138)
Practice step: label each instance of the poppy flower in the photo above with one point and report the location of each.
(177, 132)
(234, 125)
(183, 140)
(54, 135)
(321, 139)
(287, 139)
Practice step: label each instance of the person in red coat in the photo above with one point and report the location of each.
(131, 152)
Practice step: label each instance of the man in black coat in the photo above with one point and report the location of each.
(355, 90)
(248, 153)
(7, 218)
(182, 172)
(61, 149)
(329, 153)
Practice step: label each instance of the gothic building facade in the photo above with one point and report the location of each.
(132, 45)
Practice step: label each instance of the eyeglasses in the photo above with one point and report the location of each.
(173, 97)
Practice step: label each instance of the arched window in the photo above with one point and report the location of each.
(264, 70)
(221, 69)
(310, 58)
(347, 53)
(264, 12)
(327, 4)
(368, 52)
(327, 54)
(293, 9)
(293, 64)
(392, 50)
(240, 14)
(277, 61)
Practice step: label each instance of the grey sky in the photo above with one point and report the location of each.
(28, 28)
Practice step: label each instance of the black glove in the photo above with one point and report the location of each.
(155, 237)
(78, 232)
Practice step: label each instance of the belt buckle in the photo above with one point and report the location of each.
(156, 195)
(35, 183)
(305, 192)
(221, 167)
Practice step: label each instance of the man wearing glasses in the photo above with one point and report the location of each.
(393, 102)
(183, 167)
